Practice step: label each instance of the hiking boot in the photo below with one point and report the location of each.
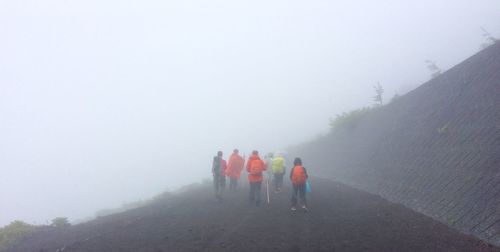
(293, 209)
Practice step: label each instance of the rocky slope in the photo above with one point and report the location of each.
(435, 150)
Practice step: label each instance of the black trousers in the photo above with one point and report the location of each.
(299, 191)
(255, 192)
(233, 183)
(278, 181)
(219, 185)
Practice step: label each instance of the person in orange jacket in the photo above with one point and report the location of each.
(255, 168)
(234, 168)
(298, 176)
(219, 167)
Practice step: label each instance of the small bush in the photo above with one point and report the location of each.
(60, 222)
(433, 68)
(13, 233)
(488, 39)
(379, 92)
(349, 120)
(123, 208)
(395, 97)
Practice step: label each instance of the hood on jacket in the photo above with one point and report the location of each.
(254, 157)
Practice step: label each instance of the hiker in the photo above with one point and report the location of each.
(255, 168)
(219, 167)
(234, 168)
(278, 169)
(298, 176)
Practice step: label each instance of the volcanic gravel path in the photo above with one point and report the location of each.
(339, 219)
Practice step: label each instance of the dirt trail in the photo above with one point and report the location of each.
(340, 219)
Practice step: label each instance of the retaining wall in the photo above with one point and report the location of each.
(435, 150)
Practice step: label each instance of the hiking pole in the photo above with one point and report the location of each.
(267, 188)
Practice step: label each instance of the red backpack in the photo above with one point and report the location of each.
(256, 167)
(299, 175)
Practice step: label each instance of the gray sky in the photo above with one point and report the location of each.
(106, 102)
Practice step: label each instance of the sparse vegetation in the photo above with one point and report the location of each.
(60, 222)
(13, 233)
(433, 68)
(162, 196)
(123, 208)
(395, 97)
(444, 129)
(349, 120)
(379, 91)
(488, 39)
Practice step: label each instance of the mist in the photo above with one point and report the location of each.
(103, 103)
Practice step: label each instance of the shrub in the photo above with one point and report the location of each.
(379, 91)
(488, 39)
(13, 233)
(395, 97)
(60, 222)
(349, 120)
(433, 68)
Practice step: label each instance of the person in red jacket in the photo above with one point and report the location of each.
(298, 176)
(219, 168)
(255, 168)
(234, 168)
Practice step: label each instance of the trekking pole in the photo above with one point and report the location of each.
(267, 188)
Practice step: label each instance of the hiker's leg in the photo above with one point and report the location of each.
(302, 192)
(294, 195)
(258, 186)
(231, 183)
(216, 185)
(252, 192)
(280, 180)
(222, 183)
(276, 182)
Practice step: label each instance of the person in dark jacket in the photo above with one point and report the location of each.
(219, 167)
(298, 176)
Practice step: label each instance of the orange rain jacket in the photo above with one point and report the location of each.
(255, 177)
(235, 166)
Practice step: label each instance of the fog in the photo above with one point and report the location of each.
(107, 102)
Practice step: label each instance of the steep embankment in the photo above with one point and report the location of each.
(435, 150)
(340, 219)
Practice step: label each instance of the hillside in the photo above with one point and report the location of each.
(340, 219)
(435, 150)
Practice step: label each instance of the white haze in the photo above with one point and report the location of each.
(106, 102)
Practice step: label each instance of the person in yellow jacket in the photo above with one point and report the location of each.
(278, 169)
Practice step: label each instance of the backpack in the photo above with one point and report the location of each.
(278, 165)
(299, 175)
(217, 166)
(256, 167)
